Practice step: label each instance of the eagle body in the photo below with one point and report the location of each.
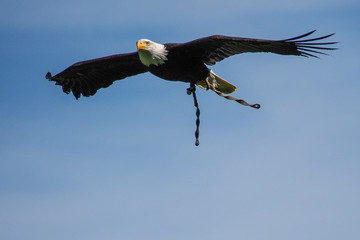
(186, 62)
(180, 67)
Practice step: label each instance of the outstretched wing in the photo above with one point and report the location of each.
(215, 48)
(85, 78)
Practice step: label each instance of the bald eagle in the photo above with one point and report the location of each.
(184, 62)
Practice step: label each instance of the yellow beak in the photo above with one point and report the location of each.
(141, 45)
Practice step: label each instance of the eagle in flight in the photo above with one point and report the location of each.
(186, 62)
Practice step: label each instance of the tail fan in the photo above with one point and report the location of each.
(218, 83)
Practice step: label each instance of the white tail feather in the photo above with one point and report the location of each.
(218, 83)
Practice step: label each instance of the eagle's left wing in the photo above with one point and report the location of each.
(215, 48)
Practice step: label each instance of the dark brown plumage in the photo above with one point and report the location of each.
(88, 76)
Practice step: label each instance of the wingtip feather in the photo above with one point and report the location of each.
(306, 46)
(48, 76)
(298, 37)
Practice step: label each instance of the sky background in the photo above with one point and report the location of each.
(123, 165)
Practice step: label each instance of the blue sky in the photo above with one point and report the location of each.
(122, 164)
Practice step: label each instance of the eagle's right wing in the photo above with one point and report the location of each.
(85, 78)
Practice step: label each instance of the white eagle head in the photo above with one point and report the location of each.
(151, 52)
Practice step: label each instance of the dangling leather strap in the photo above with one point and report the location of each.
(241, 101)
(191, 90)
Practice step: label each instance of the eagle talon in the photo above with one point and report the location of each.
(190, 90)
